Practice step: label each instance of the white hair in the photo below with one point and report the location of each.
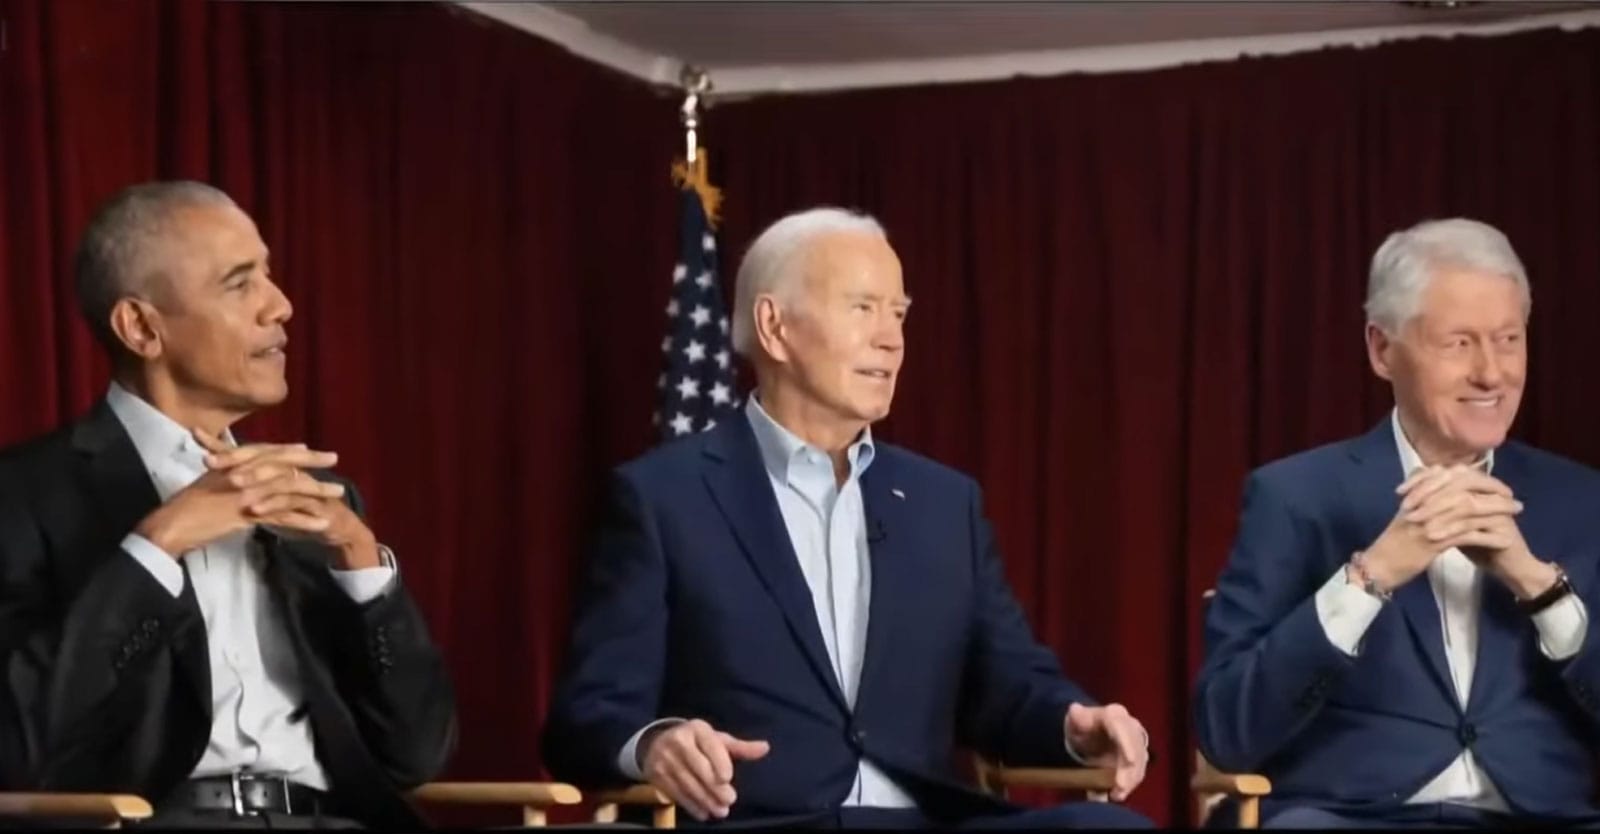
(768, 265)
(1406, 261)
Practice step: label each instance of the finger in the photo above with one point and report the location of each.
(670, 781)
(285, 502)
(1466, 505)
(210, 442)
(687, 767)
(297, 522)
(1438, 504)
(1440, 530)
(292, 483)
(746, 751)
(294, 454)
(714, 747)
(1424, 487)
(1477, 480)
(699, 765)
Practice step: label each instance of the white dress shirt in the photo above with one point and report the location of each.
(1347, 611)
(826, 523)
(255, 679)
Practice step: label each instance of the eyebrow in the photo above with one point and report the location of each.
(868, 296)
(242, 268)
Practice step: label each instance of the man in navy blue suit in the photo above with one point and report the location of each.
(786, 621)
(1403, 633)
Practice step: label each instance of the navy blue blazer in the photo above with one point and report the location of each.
(694, 605)
(1276, 697)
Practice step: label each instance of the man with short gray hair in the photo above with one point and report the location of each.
(790, 622)
(210, 625)
(1402, 634)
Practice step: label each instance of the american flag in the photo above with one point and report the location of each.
(697, 385)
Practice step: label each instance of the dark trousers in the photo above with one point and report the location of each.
(185, 818)
(1434, 815)
(1071, 815)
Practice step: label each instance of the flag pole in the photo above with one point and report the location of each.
(696, 83)
(692, 171)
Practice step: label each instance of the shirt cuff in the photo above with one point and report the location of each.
(367, 584)
(1562, 627)
(1346, 612)
(628, 759)
(158, 562)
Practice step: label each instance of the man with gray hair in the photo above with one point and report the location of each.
(788, 621)
(209, 625)
(1403, 632)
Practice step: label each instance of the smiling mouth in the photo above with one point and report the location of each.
(1483, 402)
(274, 352)
(879, 375)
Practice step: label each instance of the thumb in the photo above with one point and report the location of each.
(744, 750)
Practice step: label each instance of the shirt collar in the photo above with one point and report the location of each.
(156, 436)
(1410, 461)
(780, 447)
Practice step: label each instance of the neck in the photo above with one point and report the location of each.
(1432, 453)
(815, 424)
(167, 397)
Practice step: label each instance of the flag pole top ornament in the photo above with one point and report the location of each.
(691, 172)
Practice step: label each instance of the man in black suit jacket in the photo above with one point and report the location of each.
(211, 626)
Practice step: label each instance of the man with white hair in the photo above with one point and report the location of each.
(1402, 635)
(789, 622)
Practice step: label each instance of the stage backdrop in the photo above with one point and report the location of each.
(1129, 289)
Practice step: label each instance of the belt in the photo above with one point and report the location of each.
(246, 794)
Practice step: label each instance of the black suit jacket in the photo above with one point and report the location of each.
(105, 682)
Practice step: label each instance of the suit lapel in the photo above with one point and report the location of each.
(1370, 485)
(888, 513)
(124, 495)
(742, 491)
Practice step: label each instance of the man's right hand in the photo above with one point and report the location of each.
(220, 503)
(1431, 499)
(693, 763)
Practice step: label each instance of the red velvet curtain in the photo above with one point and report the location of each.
(1129, 289)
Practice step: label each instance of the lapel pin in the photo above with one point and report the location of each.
(896, 492)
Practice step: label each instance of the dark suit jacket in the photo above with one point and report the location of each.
(695, 606)
(104, 677)
(1364, 733)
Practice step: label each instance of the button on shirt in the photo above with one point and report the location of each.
(1347, 611)
(256, 689)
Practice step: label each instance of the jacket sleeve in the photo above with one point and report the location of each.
(1269, 664)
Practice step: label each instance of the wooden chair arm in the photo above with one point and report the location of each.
(1086, 779)
(664, 813)
(532, 797)
(1232, 784)
(113, 808)
(1210, 785)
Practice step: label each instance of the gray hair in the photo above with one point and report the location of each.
(1407, 259)
(768, 265)
(116, 256)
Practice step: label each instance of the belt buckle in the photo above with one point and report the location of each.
(236, 782)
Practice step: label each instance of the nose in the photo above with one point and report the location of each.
(1487, 371)
(277, 309)
(890, 333)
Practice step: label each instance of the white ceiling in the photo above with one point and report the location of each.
(756, 47)
(725, 34)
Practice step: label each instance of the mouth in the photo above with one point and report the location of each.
(876, 374)
(1484, 402)
(275, 352)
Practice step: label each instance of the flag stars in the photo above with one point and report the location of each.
(681, 424)
(672, 308)
(688, 388)
(720, 394)
(694, 352)
(679, 273)
(722, 359)
(704, 280)
(700, 316)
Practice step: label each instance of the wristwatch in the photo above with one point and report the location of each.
(1558, 591)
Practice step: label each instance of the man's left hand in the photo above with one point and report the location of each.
(1109, 737)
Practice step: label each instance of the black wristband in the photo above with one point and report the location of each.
(1561, 589)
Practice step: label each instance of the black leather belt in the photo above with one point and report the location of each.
(244, 794)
